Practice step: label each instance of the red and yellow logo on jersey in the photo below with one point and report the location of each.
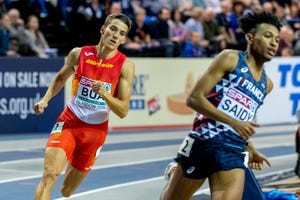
(98, 64)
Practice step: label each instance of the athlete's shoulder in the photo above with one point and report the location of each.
(88, 48)
(75, 51)
(229, 54)
(73, 56)
(227, 59)
(128, 68)
(123, 59)
(128, 63)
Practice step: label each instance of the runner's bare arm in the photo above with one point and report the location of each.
(59, 80)
(197, 100)
(120, 105)
(269, 85)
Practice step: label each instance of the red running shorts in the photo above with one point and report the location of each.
(81, 142)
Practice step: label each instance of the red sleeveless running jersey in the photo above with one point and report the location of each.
(85, 104)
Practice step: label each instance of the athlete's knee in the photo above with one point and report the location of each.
(50, 174)
(66, 191)
(163, 196)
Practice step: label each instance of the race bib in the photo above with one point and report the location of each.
(89, 99)
(57, 128)
(238, 105)
(186, 146)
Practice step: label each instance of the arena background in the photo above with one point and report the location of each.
(158, 99)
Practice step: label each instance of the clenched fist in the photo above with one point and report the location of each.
(40, 106)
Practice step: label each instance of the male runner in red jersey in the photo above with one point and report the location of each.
(102, 81)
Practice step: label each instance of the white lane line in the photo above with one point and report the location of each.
(12, 162)
(119, 165)
(94, 168)
(19, 179)
(112, 187)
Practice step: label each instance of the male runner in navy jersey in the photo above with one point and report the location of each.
(226, 100)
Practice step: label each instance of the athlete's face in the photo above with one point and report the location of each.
(264, 43)
(114, 34)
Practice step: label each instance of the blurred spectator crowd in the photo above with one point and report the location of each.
(161, 28)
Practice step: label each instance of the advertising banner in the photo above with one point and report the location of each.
(281, 104)
(161, 86)
(159, 93)
(22, 83)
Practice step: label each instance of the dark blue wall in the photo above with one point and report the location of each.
(23, 81)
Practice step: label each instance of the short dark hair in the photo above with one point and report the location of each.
(250, 21)
(119, 16)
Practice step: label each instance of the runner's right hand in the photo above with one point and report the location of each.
(40, 106)
(244, 129)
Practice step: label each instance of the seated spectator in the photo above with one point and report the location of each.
(212, 33)
(177, 30)
(5, 47)
(222, 19)
(293, 17)
(126, 8)
(17, 32)
(279, 11)
(139, 41)
(160, 27)
(160, 31)
(139, 34)
(194, 47)
(86, 17)
(238, 8)
(194, 22)
(115, 7)
(36, 40)
(17, 23)
(94, 13)
(286, 39)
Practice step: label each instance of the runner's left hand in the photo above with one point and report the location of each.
(257, 159)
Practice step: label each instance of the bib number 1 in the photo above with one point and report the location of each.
(186, 146)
